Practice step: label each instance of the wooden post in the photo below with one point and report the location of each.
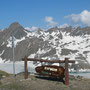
(66, 72)
(26, 70)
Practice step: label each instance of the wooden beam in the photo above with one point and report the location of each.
(26, 70)
(50, 61)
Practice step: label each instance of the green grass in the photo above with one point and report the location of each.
(3, 73)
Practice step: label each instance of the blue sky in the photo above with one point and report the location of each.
(44, 13)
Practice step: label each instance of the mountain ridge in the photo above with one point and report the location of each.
(56, 43)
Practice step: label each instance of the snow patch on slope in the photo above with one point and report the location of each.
(2, 52)
(16, 41)
(2, 43)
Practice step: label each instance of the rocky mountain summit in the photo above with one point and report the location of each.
(55, 43)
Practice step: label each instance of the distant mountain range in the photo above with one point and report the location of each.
(55, 43)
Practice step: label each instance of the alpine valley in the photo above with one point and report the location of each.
(54, 44)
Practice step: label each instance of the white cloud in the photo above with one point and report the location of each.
(64, 25)
(83, 17)
(50, 21)
(27, 28)
(33, 28)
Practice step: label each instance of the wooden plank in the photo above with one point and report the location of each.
(50, 70)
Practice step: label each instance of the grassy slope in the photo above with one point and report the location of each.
(2, 73)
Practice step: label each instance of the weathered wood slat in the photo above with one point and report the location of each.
(50, 61)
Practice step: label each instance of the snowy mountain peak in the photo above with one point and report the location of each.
(15, 25)
(56, 43)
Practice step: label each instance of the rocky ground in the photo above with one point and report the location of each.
(41, 83)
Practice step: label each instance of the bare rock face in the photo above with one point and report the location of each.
(14, 29)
